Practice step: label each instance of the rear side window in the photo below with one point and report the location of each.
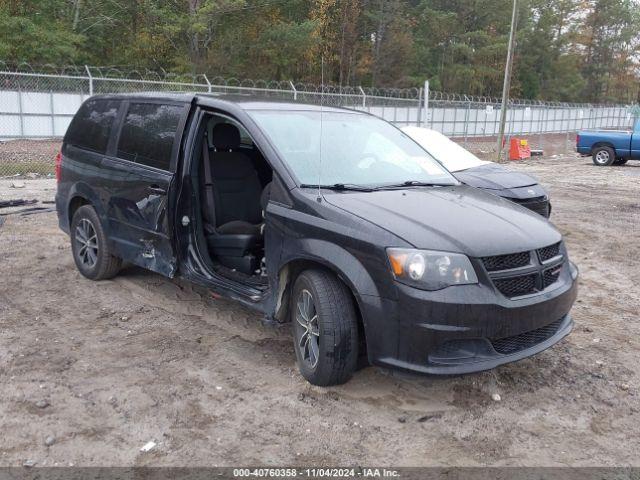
(91, 126)
(148, 133)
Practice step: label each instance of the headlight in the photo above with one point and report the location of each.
(430, 270)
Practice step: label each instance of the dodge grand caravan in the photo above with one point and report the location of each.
(330, 219)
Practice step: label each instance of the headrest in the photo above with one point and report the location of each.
(226, 136)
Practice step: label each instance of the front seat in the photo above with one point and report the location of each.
(232, 192)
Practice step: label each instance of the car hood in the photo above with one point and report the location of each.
(456, 219)
(494, 177)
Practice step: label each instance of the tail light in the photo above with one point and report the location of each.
(577, 139)
(58, 165)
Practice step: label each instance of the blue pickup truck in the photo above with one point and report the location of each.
(610, 147)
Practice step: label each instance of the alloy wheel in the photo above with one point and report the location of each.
(86, 243)
(309, 333)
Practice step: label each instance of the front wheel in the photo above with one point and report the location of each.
(325, 328)
(603, 156)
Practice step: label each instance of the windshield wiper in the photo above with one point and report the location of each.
(414, 183)
(341, 187)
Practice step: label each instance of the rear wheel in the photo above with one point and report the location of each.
(603, 156)
(325, 328)
(90, 247)
(620, 161)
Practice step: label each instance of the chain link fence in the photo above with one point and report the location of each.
(37, 105)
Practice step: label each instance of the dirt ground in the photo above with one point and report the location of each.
(91, 372)
(30, 158)
(550, 144)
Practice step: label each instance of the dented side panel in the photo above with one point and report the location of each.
(138, 215)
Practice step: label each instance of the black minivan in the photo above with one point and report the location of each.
(331, 219)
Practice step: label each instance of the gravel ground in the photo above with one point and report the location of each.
(35, 157)
(551, 144)
(91, 372)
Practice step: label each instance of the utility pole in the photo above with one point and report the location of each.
(507, 77)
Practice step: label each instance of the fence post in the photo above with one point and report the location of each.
(364, 97)
(90, 80)
(540, 125)
(419, 117)
(206, 79)
(295, 91)
(543, 127)
(426, 102)
(466, 120)
(567, 143)
(510, 124)
(455, 119)
(53, 115)
(20, 111)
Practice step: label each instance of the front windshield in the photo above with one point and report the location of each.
(356, 149)
(454, 157)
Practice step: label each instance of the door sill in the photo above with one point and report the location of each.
(221, 283)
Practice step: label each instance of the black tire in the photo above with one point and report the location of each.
(603, 156)
(336, 324)
(93, 258)
(620, 161)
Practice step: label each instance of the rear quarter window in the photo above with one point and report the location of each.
(148, 133)
(91, 126)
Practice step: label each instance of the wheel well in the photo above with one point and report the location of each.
(602, 144)
(287, 278)
(74, 205)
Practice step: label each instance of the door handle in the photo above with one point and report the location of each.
(157, 189)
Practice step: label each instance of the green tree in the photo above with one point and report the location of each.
(610, 39)
(37, 31)
(572, 50)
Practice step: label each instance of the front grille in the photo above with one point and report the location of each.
(538, 205)
(525, 340)
(547, 253)
(525, 273)
(506, 262)
(550, 276)
(516, 286)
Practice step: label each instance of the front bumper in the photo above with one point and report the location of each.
(466, 329)
(475, 355)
